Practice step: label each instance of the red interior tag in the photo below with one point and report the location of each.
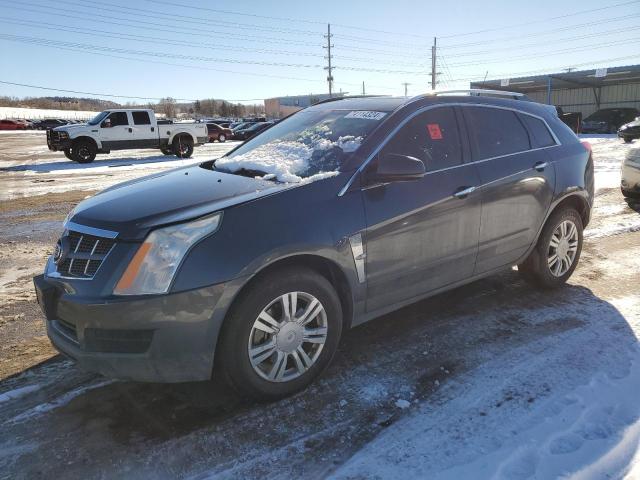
(434, 131)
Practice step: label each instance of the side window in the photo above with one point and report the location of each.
(540, 135)
(432, 137)
(495, 132)
(141, 118)
(118, 118)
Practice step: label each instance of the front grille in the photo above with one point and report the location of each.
(85, 254)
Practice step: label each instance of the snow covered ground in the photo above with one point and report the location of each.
(494, 380)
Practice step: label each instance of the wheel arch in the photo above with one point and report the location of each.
(97, 143)
(324, 266)
(576, 201)
(179, 134)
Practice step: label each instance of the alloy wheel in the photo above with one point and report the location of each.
(287, 337)
(563, 247)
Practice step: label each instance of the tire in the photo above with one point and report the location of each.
(222, 138)
(167, 150)
(627, 139)
(630, 194)
(539, 268)
(183, 146)
(69, 154)
(240, 334)
(84, 151)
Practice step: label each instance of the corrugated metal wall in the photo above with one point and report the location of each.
(583, 99)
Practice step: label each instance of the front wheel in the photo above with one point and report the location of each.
(222, 138)
(282, 334)
(69, 154)
(627, 139)
(557, 252)
(84, 151)
(166, 150)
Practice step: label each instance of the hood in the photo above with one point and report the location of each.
(634, 124)
(133, 208)
(66, 128)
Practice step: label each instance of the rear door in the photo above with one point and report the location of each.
(144, 132)
(422, 234)
(517, 179)
(119, 134)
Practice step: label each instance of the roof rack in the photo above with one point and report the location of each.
(480, 92)
(333, 99)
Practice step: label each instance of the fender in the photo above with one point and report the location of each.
(178, 131)
(84, 135)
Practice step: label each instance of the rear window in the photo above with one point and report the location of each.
(141, 118)
(495, 132)
(540, 135)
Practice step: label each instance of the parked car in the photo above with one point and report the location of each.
(249, 132)
(12, 125)
(242, 126)
(50, 123)
(630, 174)
(254, 264)
(572, 119)
(630, 131)
(608, 120)
(120, 129)
(219, 133)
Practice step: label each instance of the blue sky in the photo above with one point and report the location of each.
(257, 49)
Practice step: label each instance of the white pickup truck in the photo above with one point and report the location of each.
(121, 129)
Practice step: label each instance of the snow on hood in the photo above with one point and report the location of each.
(294, 161)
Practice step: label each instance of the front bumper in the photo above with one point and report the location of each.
(165, 338)
(57, 142)
(630, 177)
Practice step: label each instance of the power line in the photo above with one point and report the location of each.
(39, 87)
(542, 20)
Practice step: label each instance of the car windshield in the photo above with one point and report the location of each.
(309, 145)
(98, 118)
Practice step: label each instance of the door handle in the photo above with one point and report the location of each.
(540, 166)
(153, 129)
(463, 192)
(130, 130)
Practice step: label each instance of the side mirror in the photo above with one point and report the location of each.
(393, 167)
(106, 123)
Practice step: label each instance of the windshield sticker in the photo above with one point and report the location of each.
(365, 114)
(434, 131)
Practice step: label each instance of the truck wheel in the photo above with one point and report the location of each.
(222, 138)
(183, 146)
(84, 151)
(69, 154)
(557, 252)
(281, 335)
(166, 150)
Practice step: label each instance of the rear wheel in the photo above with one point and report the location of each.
(183, 146)
(222, 138)
(84, 151)
(557, 252)
(69, 154)
(281, 335)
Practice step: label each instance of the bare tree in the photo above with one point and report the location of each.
(168, 107)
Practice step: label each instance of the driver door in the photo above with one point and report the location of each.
(115, 132)
(422, 234)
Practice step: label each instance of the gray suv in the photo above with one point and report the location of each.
(256, 263)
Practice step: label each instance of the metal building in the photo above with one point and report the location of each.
(282, 106)
(582, 91)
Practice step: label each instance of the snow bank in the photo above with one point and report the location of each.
(306, 159)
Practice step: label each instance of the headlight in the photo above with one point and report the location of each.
(63, 134)
(154, 265)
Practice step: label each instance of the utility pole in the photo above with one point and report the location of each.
(363, 93)
(433, 65)
(405, 88)
(328, 57)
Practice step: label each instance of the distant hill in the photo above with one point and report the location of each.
(59, 103)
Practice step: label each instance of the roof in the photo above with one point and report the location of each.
(578, 79)
(375, 103)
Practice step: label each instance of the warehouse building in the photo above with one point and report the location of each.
(280, 107)
(582, 91)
